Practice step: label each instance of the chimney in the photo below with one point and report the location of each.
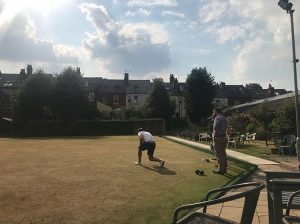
(126, 79)
(23, 75)
(29, 69)
(171, 78)
(22, 72)
(78, 70)
(271, 90)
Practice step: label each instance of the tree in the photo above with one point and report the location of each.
(253, 86)
(199, 94)
(264, 115)
(285, 119)
(158, 104)
(34, 97)
(69, 99)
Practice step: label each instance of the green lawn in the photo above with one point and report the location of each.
(94, 180)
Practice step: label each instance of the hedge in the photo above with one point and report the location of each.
(91, 127)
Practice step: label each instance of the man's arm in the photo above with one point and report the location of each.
(141, 138)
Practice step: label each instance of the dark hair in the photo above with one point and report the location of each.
(218, 110)
(140, 129)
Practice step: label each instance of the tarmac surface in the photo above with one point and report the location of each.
(233, 210)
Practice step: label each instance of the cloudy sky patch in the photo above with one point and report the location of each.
(237, 41)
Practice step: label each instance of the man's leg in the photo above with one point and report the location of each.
(220, 149)
(151, 148)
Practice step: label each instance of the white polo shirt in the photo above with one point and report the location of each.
(146, 136)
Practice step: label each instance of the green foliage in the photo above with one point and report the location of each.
(253, 86)
(134, 113)
(174, 125)
(34, 97)
(260, 133)
(264, 115)
(285, 119)
(243, 122)
(200, 91)
(158, 104)
(69, 99)
(89, 127)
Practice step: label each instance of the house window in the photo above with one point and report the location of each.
(115, 99)
(91, 96)
(104, 100)
(135, 99)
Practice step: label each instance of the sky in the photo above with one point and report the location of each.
(238, 42)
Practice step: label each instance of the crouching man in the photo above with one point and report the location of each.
(147, 142)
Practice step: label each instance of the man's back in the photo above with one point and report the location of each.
(146, 136)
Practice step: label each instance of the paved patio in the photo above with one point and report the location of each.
(233, 210)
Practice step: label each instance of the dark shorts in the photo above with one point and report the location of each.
(149, 146)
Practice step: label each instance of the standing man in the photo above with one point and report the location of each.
(147, 143)
(220, 140)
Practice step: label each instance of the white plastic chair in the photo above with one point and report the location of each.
(233, 141)
(203, 136)
(250, 138)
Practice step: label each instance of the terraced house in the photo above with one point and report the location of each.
(109, 96)
(116, 95)
(10, 85)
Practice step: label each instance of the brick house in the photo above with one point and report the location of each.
(116, 95)
(10, 85)
(229, 95)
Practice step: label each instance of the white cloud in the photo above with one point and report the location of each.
(213, 11)
(19, 43)
(201, 51)
(155, 32)
(240, 66)
(141, 47)
(151, 3)
(141, 11)
(172, 13)
(98, 16)
(228, 32)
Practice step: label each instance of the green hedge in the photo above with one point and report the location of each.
(86, 128)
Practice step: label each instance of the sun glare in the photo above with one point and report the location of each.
(13, 7)
(44, 6)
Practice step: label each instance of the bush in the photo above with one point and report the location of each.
(86, 128)
(260, 133)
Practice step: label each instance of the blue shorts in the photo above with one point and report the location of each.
(149, 146)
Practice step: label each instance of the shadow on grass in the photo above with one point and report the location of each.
(162, 171)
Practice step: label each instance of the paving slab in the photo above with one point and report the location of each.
(231, 153)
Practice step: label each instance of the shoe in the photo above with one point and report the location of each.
(137, 163)
(162, 163)
(218, 172)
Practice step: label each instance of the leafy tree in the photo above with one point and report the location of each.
(243, 122)
(69, 99)
(285, 119)
(253, 86)
(264, 115)
(200, 91)
(158, 104)
(34, 97)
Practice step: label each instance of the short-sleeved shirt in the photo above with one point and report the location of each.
(220, 126)
(146, 136)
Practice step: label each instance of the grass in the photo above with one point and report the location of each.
(94, 180)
